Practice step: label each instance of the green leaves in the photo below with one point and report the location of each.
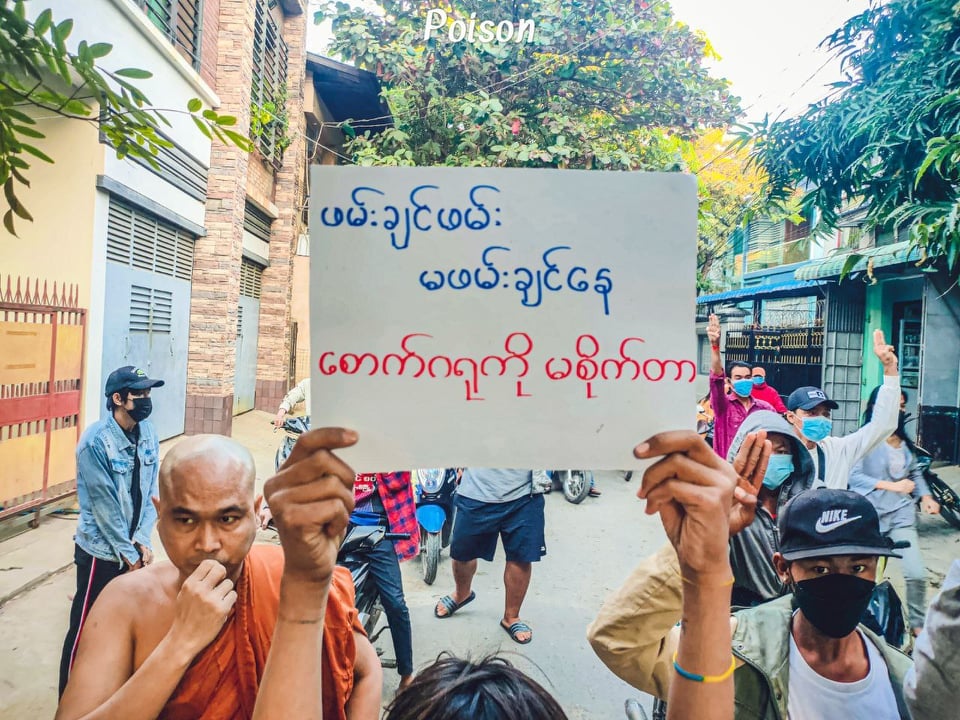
(133, 73)
(889, 139)
(612, 84)
(30, 52)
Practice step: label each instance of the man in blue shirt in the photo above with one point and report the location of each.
(117, 466)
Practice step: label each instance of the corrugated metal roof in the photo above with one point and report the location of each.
(791, 287)
(883, 256)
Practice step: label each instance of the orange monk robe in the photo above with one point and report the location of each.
(222, 681)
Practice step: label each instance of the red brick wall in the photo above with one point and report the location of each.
(273, 351)
(209, 31)
(211, 356)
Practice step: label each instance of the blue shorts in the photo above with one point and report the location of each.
(519, 523)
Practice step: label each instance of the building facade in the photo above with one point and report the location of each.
(806, 307)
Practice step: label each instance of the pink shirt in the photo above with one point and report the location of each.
(729, 414)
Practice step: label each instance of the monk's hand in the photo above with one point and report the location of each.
(203, 605)
(311, 499)
(750, 465)
(692, 489)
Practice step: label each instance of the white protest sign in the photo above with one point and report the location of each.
(498, 317)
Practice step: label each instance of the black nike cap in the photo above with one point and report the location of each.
(821, 523)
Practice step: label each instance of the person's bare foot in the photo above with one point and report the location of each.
(449, 604)
(405, 682)
(522, 634)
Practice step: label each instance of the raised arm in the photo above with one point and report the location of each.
(311, 499)
(694, 491)
(886, 411)
(713, 335)
(634, 633)
(103, 684)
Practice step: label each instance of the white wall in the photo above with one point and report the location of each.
(136, 43)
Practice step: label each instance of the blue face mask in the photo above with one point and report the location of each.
(758, 380)
(816, 428)
(743, 388)
(779, 469)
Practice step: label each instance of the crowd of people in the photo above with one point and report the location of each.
(752, 609)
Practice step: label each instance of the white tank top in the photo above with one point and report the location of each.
(814, 697)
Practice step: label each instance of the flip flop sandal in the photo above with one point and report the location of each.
(516, 628)
(452, 605)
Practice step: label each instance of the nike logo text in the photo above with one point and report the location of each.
(823, 527)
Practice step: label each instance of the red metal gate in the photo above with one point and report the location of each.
(42, 338)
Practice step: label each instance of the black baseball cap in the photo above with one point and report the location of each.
(130, 377)
(823, 522)
(807, 398)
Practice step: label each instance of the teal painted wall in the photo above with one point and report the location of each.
(879, 314)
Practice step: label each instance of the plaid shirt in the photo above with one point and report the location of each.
(396, 494)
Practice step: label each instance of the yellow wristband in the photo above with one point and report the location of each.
(704, 678)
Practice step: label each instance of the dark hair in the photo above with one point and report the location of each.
(900, 432)
(124, 394)
(490, 689)
(738, 363)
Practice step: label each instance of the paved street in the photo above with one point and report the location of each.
(591, 547)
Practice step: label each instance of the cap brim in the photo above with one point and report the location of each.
(832, 404)
(144, 384)
(830, 550)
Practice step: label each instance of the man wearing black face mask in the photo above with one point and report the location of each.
(802, 657)
(829, 544)
(117, 469)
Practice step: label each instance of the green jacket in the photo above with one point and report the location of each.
(762, 641)
(635, 635)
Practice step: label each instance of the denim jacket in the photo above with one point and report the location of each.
(104, 473)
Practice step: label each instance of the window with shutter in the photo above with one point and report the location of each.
(180, 21)
(151, 310)
(257, 222)
(269, 86)
(251, 279)
(144, 241)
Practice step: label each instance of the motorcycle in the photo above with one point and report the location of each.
(945, 496)
(434, 491)
(575, 484)
(293, 428)
(705, 420)
(354, 555)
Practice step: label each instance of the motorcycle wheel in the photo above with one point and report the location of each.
(949, 505)
(430, 558)
(576, 485)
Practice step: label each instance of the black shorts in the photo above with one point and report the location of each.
(519, 523)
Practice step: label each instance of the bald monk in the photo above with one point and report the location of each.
(191, 638)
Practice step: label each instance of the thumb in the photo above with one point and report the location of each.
(320, 439)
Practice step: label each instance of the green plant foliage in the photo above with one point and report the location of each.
(270, 121)
(605, 84)
(38, 73)
(888, 136)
